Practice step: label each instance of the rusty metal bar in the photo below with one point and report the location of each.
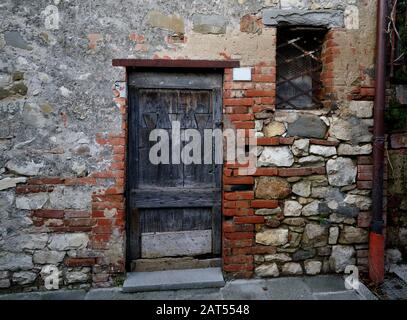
(376, 247)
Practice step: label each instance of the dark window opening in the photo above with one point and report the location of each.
(299, 67)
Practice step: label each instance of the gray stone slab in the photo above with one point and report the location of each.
(118, 294)
(198, 294)
(46, 295)
(325, 283)
(327, 18)
(245, 290)
(289, 288)
(343, 295)
(178, 243)
(173, 280)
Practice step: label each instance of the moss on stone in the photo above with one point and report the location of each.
(4, 93)
(19, 88)
(18, 75)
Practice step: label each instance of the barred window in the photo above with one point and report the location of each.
(299, 67)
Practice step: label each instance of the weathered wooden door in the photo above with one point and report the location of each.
(174, 208)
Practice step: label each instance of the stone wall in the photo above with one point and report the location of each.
(63, 137)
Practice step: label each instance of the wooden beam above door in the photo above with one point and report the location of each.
(179, 63)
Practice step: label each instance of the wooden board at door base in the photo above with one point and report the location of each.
(173, 244)
(174, 209)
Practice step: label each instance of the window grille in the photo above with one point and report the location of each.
(299, 67)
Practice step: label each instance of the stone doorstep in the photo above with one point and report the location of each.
(174, 280)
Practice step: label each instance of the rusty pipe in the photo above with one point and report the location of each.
(376, 243)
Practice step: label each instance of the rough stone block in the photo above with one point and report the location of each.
(267, 270)
(15, 261)
(276, 156)
(341, 172)
(327, 18)
(274, 237)
(171, 22)
(272, 188)
(210, 24)
(68, 241)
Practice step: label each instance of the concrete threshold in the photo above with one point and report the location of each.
(174, 280)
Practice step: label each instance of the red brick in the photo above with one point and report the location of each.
(119, 149)
(243, 124)
(80, 262)
(238, 212)
(239, 195)
(240, 117)
(398, 141)
(254, 250)
(266, 172)
(264, 141)
(260, 93)
(108, 197)
(239, 235)
(102, 230)
(237, 243)
(114, 190)
(365, 176)
(107, 205)
(51, 214)
(227, 172)
(80, 181)
(79, 222)
(237, 267)
(293, 172)
(263, 78)
(116, 135)
(230, 226)
(289, 140)
(367, 91)
(45, 181)
(266, 100)
(239, 259)
(238, 109)
(262, 108)
(240, 204)
(76, 214)
(248, 219)
(236, 165)
(365, 160)
(364, 185)
(117, 166)
(108, 174)
(117, 141)
(238, 102)
(238, 180)
(22, 189)
(118, 157)
(264, 204)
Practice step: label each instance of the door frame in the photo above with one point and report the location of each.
(133, 218)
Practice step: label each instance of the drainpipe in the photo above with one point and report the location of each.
(376, 239)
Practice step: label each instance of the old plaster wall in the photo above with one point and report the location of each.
(62, 136)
